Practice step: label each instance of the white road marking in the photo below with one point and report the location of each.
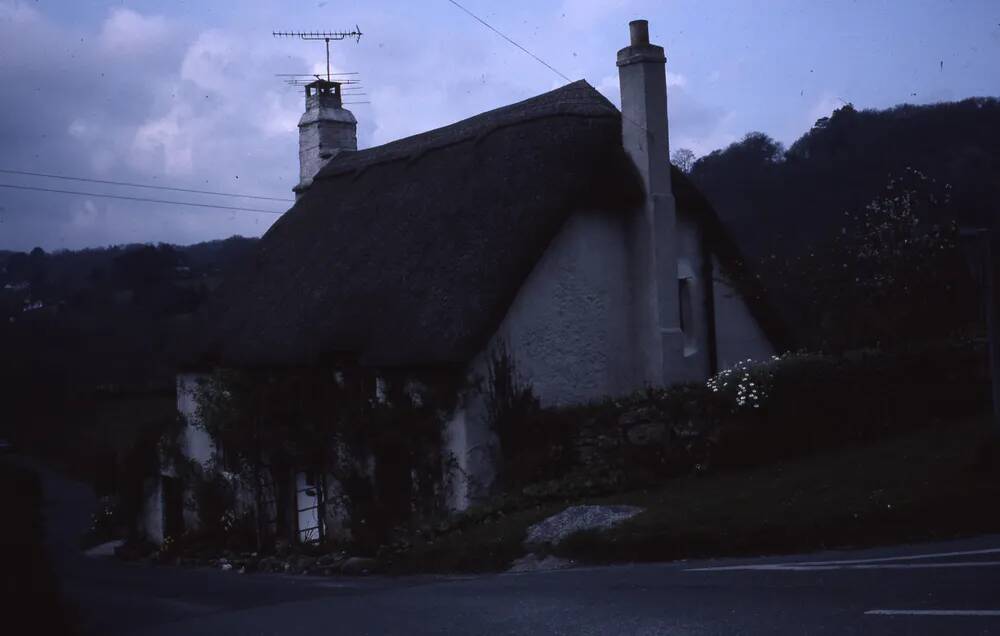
(862, 564)
(886, 612)
(795, 567)
(908, 557)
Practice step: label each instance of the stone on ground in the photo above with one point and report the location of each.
(554, 530)
(105, 549)
(534, 563)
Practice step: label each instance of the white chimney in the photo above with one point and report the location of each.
(325, 129)
(659, 340)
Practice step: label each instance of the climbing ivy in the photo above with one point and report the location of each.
(385, 451)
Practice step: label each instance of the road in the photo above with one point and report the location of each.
(942, 588)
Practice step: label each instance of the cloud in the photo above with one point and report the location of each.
(693, 124)
(149, 102)
(210, 62)
(164, 144)
(126, 32)
(18, 13)
(157, 98)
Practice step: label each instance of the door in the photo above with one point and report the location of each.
(173, 507)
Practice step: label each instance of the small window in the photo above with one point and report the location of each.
(381, 390)
(686, 317)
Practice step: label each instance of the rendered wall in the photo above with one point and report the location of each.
(196, 444)
(737, 334)
(567, 328)
(567, 332)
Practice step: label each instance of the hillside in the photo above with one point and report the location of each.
(75, 324)
(856, 226)
(785, 201)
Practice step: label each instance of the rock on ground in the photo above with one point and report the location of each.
(533, 563)
(105, 549)
(553, 530)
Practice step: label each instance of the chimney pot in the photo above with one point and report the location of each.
(639, 32)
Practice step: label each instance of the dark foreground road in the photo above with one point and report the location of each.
(942, 588)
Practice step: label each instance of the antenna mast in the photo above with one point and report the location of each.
(326, 36)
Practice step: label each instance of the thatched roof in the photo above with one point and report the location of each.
(408, 254)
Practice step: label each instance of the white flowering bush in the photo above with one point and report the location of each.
(748, 384)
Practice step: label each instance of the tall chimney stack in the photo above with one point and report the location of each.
(325, 129)
(652, 235)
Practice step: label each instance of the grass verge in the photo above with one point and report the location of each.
(938, 482)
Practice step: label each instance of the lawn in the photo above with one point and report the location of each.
(940, 481)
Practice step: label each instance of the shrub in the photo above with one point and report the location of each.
(814, 402)
(104, 523)
(751, 414)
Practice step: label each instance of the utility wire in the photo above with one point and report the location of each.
(139, 185)
(143, 199)
(549, 66)
(487, 25)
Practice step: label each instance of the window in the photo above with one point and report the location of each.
(686, 311)
(381, 390)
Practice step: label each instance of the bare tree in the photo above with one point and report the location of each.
(683, 158)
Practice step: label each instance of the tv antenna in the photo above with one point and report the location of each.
(326, 36)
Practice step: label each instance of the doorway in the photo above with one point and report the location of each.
(173, 507)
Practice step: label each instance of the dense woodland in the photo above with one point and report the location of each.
(853, 231)
(96, 334)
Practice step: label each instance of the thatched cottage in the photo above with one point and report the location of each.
(553, 229)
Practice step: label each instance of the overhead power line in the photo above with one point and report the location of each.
(488, 26)
(143, 199)
(140, 185)
(547, 65)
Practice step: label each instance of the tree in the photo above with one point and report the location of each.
(893, 275)
(684, 159)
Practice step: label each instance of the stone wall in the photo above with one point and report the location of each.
(629, 444)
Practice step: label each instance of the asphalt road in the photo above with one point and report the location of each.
(943, 588)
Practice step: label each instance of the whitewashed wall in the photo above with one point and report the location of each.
(738, 335)
(567, 331)
(196, 444)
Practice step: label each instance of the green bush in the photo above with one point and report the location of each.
(751, 414)
(815, 402)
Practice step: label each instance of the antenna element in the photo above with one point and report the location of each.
(326, 36)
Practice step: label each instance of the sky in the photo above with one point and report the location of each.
(185, 94)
